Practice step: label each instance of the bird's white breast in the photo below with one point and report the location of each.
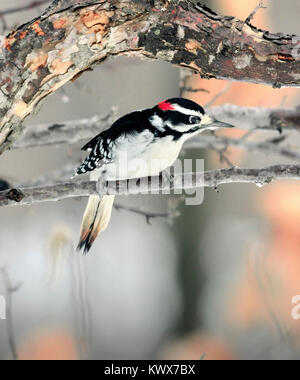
(150, 161)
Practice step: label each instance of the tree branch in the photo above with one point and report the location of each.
(214, 178)
(68, 132)
(147, 214)
(253, 14)
(74, 35)
(267, 147)
(77, 131)
(280, 119)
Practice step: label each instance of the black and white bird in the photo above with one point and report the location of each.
(154, 134)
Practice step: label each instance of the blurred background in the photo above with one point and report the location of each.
(218, 281)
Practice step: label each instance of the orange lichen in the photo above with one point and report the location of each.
(9, 41)
(91, 18)
(286, 58)
(193, 46)
(60, 67)
(98, 28)
(23, 34)
(38, 30)
(61, 23)
(37, 61)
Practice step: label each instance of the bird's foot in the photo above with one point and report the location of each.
(101, 185)
(166, 177)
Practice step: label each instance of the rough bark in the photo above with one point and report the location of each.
(72, 36)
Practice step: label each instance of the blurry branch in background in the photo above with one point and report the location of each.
(82, 306)
(269, 300)
(185, 75)
(154, 185)
(267, 147)
(233, 49)
(32, 5)
(9, 291)
(280, 119)
(62, 257)
(69, 132)
(219, 94)
(248, 118)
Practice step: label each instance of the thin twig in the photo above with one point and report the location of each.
(219, 94)
(253, 14)
(283, 332)
(222, 153)
(148, 215)
(185, 75)
(193, 90)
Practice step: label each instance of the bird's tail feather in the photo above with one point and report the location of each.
(95, 220)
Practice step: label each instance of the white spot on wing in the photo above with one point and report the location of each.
(157, 122)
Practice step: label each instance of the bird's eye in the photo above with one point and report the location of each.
(195, 120)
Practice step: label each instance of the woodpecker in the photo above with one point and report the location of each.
(156, 133)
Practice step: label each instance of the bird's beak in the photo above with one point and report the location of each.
(220, 124)
(208, 123)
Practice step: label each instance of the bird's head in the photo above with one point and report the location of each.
(186, 116)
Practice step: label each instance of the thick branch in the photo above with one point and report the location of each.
(73, 35)
(214, 178)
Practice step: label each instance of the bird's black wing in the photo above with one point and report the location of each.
(103, 146)
(91, 144)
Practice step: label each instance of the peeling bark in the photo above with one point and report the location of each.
(74, 35)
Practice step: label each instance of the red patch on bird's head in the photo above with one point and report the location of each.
(165, 106)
